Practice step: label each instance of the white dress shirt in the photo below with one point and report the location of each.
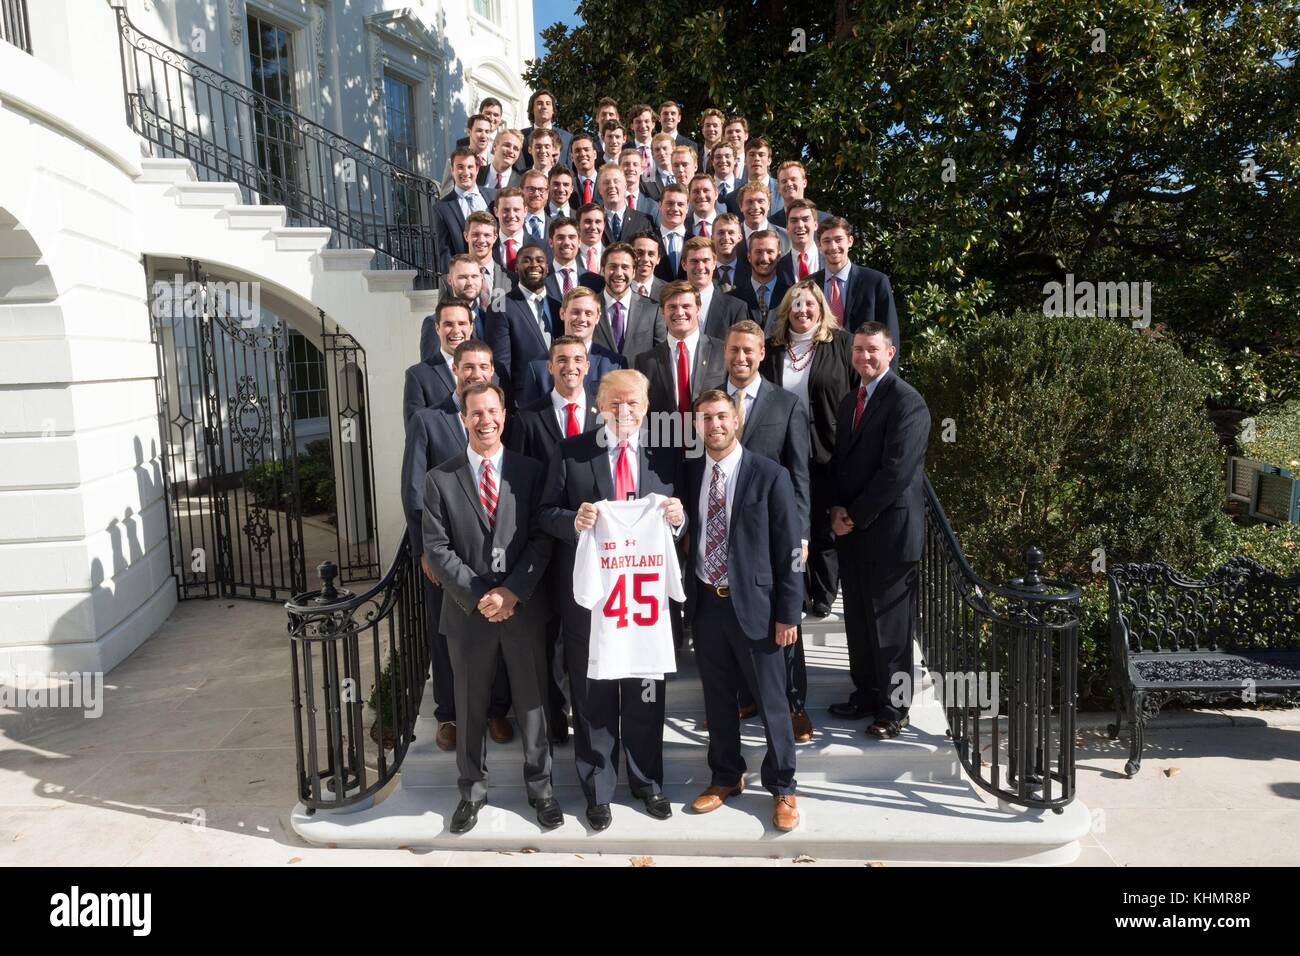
(470, 201)
(626, 300)
(669, 249)
(582, 256)
(713, 214)
(730, 465)
(749, 231)
(814, 260)
(706, 300)
(534, 300)
(476, 468)
(633, 457)
(558, 272)
(842, 275)
(561, 406)
(746, 397)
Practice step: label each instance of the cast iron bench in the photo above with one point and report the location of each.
(1235, 634)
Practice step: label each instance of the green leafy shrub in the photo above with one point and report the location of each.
(1074, 434)
(1277, 438)
(265, 481)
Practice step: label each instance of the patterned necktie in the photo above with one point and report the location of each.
(616, 226)
(571, 426)
(683, 380)
(624, 486)
(533, 229)
(487, 493)
(618, 325)
(803, 265)
(836, 300)
(723, 189)
(500, 183)
(704, 228)
(568, 279)
(481, 161)
(484, 295)
(857, 409)
(762, 303)
(715, 529)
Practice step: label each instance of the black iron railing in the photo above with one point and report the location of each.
(1005, 662)
(13, 24)
(232, 133)
(359, 665)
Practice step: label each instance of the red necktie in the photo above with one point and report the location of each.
(837, 300)
(857, 409)
(481, 162)
(683, 381)
(568, 279)
(591, 260)
(510, 255)
(704, 228)
(630, 207)
(624, 486)
(487, 493)
(571, 427)
(803, 265)
(586, 191)
(500, 183)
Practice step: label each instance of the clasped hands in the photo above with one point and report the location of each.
(585, 518)
(496, 605)
(841, 523)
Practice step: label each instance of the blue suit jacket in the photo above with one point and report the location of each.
(433, 435)
(868, 298)
(516, 340)
(538, 381)
(763, 546)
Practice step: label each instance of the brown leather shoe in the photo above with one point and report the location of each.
(499, 729)
(445, 738)
(785, 813)
(712, 797)
(748, 712)
(803, 727)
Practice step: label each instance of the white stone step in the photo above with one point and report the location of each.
(205, 195)
(390, 280)
(423, 301)
(346, 260)
(260, 218)
(301, 238)
(170, 171)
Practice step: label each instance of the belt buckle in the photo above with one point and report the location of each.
(722, 590)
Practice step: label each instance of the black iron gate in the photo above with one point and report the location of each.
(229, 451)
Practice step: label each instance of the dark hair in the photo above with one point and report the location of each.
(835, 222)
(453, 303)
(565, 340)
(533, 99)
(876, 328)
(469, 345)
(623, 247)
(478, 388)
(557, 223)
(714, 395)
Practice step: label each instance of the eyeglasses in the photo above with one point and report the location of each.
(534, 189)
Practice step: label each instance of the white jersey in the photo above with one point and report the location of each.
(625, 570)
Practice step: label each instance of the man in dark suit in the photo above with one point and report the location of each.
(854, 293)
(541, 113)
(754, 200)
(641, 121)
(580, 313)
(536, 190)
(464, 280)
(718, 311)
(686, 349)
(501, 173)
(878, 516)
(429, 381)
(569, 409)
(529, 318)
(711, 123)
(732, 268)
(744, 587)
(583, 154)
(661, 170)
(673, 206)
(804, 258)
(450, 212)
(705, 208)
(791, 181)
(646, 251)
(489, 107)
(775, 425)
(478, 142)
(481, 231)
(670, 117)
(434, 435)
(629, 324)
(763, 291)
(559, 194)
(566, 266)
(630, 162)
(609, 464)
(487, 549)
(725, 178)
(619, 220)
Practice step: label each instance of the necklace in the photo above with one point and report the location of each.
(800, 362)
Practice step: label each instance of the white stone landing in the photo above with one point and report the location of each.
(905, 799)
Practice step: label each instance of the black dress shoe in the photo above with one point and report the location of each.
(851, 711)
(549, 814)
(599, 816)
(657, 805)
(466, 815)
(559, 730)
(819, 610)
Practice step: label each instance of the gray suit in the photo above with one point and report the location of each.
(469, 559)
(643, 328)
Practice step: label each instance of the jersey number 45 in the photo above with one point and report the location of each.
(616, 604)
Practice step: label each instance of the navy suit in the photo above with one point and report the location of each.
(723, 312)
(767, 317)
(868, 298)
(634, 221)
(433, 436)
(538, 382)
(449, 228)
(516, 339)
(525, 160)
(878, 476)
(429, 381)
(606, 712)
(735, 645)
